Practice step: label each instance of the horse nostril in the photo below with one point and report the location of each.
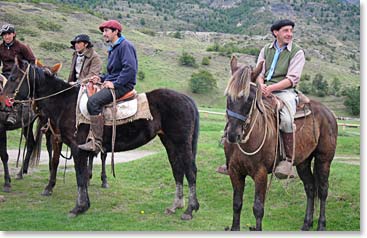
(238, 138)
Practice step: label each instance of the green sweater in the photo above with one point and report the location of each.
(284, 59)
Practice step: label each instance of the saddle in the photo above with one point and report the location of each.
(129, 107)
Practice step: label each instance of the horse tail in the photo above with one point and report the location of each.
(195, 137)
(36, 153)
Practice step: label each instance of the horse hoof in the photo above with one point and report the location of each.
(19, 176)
(105, 185)
(46, 193)
(169, 211)
(7, 189)
(186, 217)
(71, 215)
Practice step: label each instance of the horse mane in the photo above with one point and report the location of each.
(239, 83)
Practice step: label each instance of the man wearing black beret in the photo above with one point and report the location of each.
(282, 69)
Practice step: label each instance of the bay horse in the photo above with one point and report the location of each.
(25, 119)
(175, 121)
(251, 115)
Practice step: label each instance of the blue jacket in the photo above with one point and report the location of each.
(122, 64)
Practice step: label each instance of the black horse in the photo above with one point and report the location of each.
(25, 120)
(175, 121)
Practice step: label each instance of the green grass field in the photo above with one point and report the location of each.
(147, 185)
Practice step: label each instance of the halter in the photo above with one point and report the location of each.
(246, 119)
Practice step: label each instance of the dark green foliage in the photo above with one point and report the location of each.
(177, 35)
(187, 60)
(141, 75)
(202, 82)
(335, 86)
(352, 101)
(320, 86)
(51, 46)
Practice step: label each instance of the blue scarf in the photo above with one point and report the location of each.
(121, 39)
(275, 59)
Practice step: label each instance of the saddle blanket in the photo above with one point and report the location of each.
(127, 111)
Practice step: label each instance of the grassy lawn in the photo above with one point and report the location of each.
(147, 185)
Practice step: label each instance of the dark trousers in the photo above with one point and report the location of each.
(97, 101)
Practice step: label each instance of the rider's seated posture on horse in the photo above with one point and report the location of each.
(122, 68)
(284, 61)
(85, 62)
(11, 48)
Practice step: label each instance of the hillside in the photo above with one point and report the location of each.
(48, 29)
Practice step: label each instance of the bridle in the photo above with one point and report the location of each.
(247, 121)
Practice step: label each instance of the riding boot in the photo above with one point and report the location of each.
(285, 167)
(96, 129)
(12, 117)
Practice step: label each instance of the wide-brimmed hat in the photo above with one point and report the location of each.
(81, 38)
(7, 28)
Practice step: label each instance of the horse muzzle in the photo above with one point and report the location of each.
(233, 138)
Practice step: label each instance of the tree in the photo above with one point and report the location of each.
(202, 82)
(352, 101)
(320, 86)
(187, 60)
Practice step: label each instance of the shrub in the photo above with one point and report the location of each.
(187, 60)
(51, 46)
(49, 26)
(202, 82)
(141, 75)
(320, 86)
(352, 101)
(205, 61)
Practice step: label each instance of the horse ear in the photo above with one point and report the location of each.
(257, 71)
(234, 63)
(39, 63)
(56, 68)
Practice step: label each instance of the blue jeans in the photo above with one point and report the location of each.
(289, 97)
(103, 97)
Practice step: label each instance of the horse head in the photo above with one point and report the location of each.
(23, 77)
(242, 94)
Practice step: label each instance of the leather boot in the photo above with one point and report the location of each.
(96, 127)
(285, 167)
(12, 117)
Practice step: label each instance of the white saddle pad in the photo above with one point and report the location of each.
(124, 109)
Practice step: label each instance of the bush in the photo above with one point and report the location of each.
(187, 60)
(205, 61)
(141, 75)
(51, 46)
(49, 26)
(320, 86)
(352, 101)
(202, 82)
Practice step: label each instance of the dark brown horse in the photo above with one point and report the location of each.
(25, 120)
(175, 121)
(250, 114)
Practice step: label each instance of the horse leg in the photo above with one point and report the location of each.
(190, 172)
(178, 174)
(53, 165)
(238, 185)
(322, 170)
(30, 143)
(305, 174)
(103, 172)
(4, 158)
(90, 167)
(260, 179)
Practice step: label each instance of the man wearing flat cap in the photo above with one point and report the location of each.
(85, 62)
(282, 69)
(10, 49)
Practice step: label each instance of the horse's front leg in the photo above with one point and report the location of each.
(4, 158)
(260, 179)
(238, 185)
(30, 143)
(82, 177)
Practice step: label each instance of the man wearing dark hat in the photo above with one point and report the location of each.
(122, 67)
(10, 49)
(85, 62)
(282, 69)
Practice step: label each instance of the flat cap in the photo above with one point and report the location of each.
(280, 23)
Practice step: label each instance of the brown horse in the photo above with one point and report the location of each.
(251, 115)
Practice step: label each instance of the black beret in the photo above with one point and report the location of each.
(280, 23)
